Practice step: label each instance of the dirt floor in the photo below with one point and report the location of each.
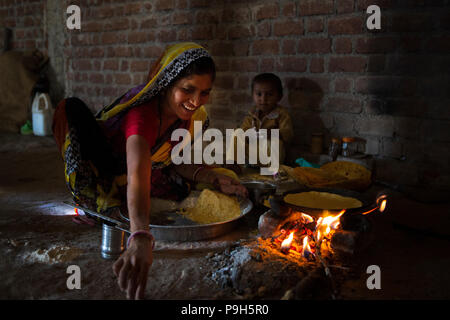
(39, 241)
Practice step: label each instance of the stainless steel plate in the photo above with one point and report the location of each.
(169, 225)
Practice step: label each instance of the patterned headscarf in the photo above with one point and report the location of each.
(173, 61)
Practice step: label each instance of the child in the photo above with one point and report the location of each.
(267, 91)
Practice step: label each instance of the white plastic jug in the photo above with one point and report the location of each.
(42, 114)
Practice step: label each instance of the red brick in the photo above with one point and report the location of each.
(262, 47)
(383, 85)
(316, 84)
(96, 78)
(184, 35)
(240, 32)
(244, 65)
(202, 32)
(203, 17)
(199, 3)
(316, 65)
(289, 9)
(224, 81)
(111, 65)
(164, 5)
(221, 49)
(81, 65)
(167, 35)
(240, 48)
(122, 78)
(343, 45)
(376, 45)
(267, 11)
(344, 6)
(314, 24)
(123, 52)
(346, 25)
(241, 98)
(97, 52)
(112, 37)
(347, 64)
(263, 29)
(377, 126)
(132, 8)
(289, 46)
(92, 26)
(124, 65)
(314, 45)
(139, 66)
(103, 12)
(345, 105)
(291, 64)
(266, 65)
(362, 5)
(137, 37)
(234, 14)
(342, 85)
(181, 18)
(313, 7)
(149, 23)
(152, 51)
(117, 24)
(285, 28)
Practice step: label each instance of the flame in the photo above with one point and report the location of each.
(306, 248)
(76, 211)
(318, 236)
(286, 244)
(329, 223)
(383, 205)
(308, 218)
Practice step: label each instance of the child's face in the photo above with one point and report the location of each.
(265, 96)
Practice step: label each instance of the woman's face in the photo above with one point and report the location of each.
(187, 95)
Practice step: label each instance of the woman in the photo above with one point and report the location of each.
(123, 156)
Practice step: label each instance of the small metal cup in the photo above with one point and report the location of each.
(113, 242)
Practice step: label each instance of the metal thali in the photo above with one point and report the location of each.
(167, 224)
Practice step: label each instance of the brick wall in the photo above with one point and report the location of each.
(389, 86)
(26, 20)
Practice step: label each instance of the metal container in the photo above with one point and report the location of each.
(182, 229)
(113, 242)
(259, 190)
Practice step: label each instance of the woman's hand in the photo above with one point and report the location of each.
(132, 267)
(228, 185)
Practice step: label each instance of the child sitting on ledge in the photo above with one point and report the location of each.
(267, 91)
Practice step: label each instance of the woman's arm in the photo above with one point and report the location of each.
(138, 176)
(133, 265)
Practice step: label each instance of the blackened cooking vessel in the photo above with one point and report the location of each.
(283, 208)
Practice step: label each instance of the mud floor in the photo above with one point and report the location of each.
(39, 241)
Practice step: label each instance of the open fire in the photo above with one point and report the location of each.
(309, 238)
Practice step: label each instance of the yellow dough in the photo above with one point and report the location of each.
(322, 200)
(213, 207)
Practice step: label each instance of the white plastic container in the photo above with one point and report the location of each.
(42, 114)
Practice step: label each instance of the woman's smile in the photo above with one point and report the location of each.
(187, 95)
